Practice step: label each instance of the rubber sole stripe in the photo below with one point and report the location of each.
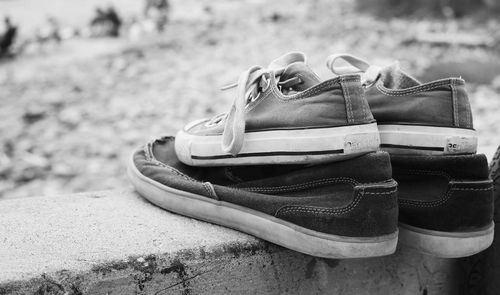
(413, 147)
(281, 153)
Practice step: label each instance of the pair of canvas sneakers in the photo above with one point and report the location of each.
(297, 162)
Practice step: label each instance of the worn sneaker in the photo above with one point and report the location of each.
(415, 118)
(343, 209)
(445, 203)
(283, 114)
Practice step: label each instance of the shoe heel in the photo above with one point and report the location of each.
(361, 142)
(457, 225)
(446, 244)
(427, 140)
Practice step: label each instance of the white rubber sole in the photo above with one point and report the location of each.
(446, 244)
(261, 225)
(299, 146)
(407, 139)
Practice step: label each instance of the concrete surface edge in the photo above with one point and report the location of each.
(136, 274)
(114, 242)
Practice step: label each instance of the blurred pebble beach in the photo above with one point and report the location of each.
(73, 109)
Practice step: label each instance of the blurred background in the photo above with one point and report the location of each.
(82, 83)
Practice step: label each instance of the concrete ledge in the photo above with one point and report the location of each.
(114, 242)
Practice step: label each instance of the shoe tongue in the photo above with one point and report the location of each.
(393, 77)
(303, 72)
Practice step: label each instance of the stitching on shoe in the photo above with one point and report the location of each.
(321, 88)
(380, 193)
(336, 211)
(468, 115)
(429, 172)
(148, 150)
(255, 103)
(402, 92)
(347, 98)
(447, 196)
(304, 185)
(412, 203)
(313, 90)
(210, 190)
(364, 104)
(279, 97)
(173, 170)
(472, 189)
(454, 99)
(145, 149)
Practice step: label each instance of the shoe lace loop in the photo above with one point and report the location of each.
(250, 85)
(370, 73)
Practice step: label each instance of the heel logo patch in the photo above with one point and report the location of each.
(361, 142)
(459, 144)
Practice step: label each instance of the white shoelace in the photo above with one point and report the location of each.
(369, 73)
(250, 84)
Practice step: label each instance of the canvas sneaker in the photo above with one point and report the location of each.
(445, 203)
(344, 209)
(283, 114)
(414, 118)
